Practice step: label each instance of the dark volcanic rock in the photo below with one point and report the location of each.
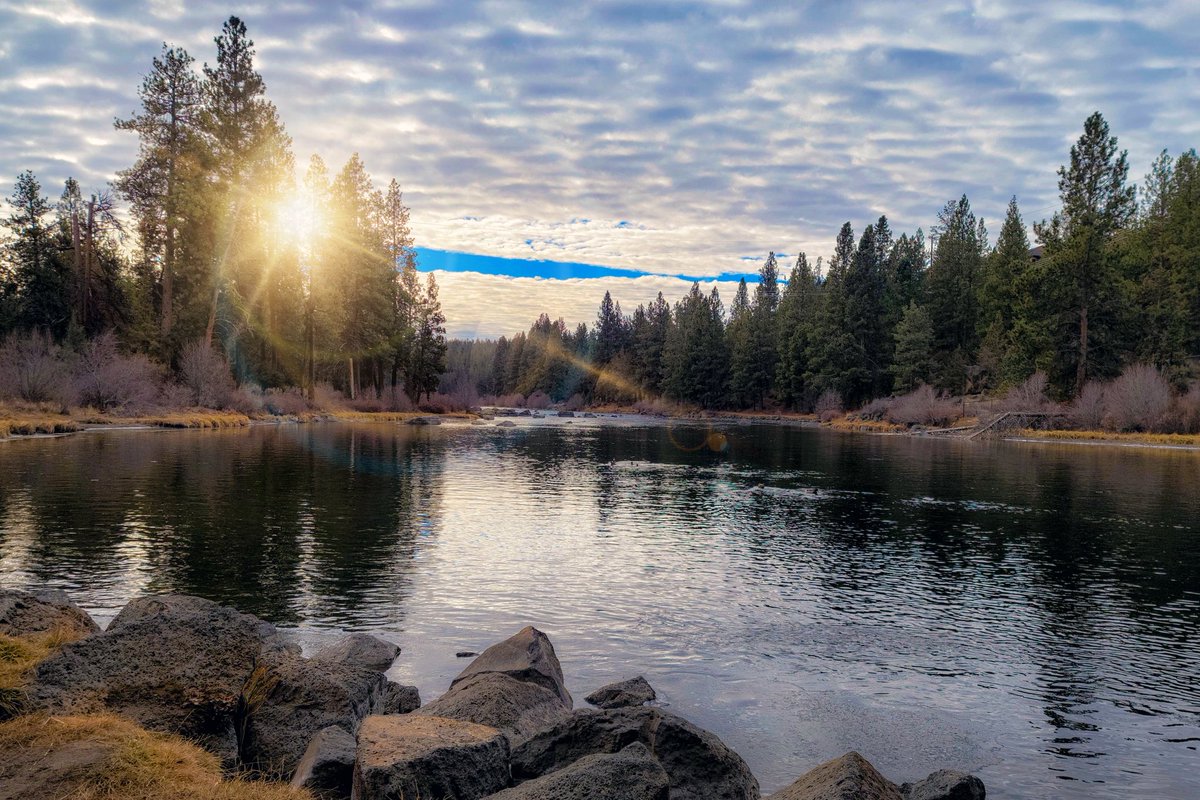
(699, 764)
(171, 663)
(23, 613)
(624, 694)
(409, 756)
(526, 656)
(400, 699)
(500, 701)
(465, 654)
(291, 699)
(850, 777)
(327, 767)
(945, 784)
(362, 649)
(632, 774)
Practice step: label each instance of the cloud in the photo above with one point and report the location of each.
(713, 130)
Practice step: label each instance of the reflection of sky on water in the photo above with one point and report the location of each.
(1022, 610)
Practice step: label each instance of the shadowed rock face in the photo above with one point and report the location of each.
(527, 656)
(623, 694)
(409, 756)
(172, 663)
(400, 699)
(945, 784)
(850, 777)
(294, 698)
(698, 763)
(517, 708)
(23, 613)
(632, 774)
(327, 767)
(360, 649)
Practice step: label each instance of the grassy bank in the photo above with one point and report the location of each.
(1109, 437)
(100, 756)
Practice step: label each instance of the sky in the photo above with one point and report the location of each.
(553, 151)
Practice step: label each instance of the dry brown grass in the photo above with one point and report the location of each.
(865, 425)
(394, 416)
(18, 656)
(1168, 439)
(18, 422)
(114, 759)
(193, 418)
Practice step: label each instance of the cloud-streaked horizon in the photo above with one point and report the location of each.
(679, 138)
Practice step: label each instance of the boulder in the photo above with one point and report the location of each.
(631, 774)
(409, 756)
(526, 656)
(175, 664)
(23, 613)
(327, 767)
(291, 699)
(424, 421)
(850, 777)
(624, 694)
(400, 699)
(361, 649)
(698, 763)
(500, 701)
(945, 784)
(506, 423)
(566, 413)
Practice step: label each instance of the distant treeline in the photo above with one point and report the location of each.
(1114, 282)
(292, 284)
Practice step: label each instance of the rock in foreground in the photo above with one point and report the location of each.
(631, 774)
(24, 613)
(327, 767)
(497, 700)
(698, 763)
(526, 656)
(623, 694)
(945, 784)
(850, 777)
(408, 756)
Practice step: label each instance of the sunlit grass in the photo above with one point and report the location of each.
(1173, 439)
(18, 656)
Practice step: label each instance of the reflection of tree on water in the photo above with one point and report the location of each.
(315, 523)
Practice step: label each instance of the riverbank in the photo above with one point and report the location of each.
(239, 712)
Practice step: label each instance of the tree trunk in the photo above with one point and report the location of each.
(351, 382)
(1081, 367)
(212, 316)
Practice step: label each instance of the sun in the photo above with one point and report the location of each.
(298, 220)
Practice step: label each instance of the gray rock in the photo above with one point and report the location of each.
(362, 649)
(500, 701)
(566, 413)
(632, 774)
(506, 423)
(23, 613)
(327, 767)
(409, 756)
(291, 699)
(624, 694)
(945, 784)
(424, 421)
(850, 777)
(176, 664)
(465, 654)
(527, 656)
(400, 699)
(699, 764)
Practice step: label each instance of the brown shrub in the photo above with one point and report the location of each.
(1184, 416)
(105, 379)
(35, 369)
(829, 406)
(206, 375)
(1029, 395)
(573, 403)
(875, 410)
(538, 400)
(285, 402)
(1087, 411)
(922, 406)
(1138, 400)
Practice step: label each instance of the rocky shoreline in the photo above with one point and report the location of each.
(334, 725)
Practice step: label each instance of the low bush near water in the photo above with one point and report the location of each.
(829, 406)
(922, 406)
(105, 379)
(1138, 400)
(36, 370)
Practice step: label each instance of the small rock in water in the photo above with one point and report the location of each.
(465, 654)
(623, 694)
(506, 423)
(945, 784)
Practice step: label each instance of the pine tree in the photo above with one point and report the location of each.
(952, 284)
(428, 360)
(611, 331)
(764, 349)
(797, 316)
(913, 363)
(832, 349)
(1000, 298)
(741, 347)
(866, 284)
(1080, 279)
(41, 282)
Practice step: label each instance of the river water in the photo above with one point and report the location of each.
(1028, 612)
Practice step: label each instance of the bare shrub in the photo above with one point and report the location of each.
(105, 379)
(172, 395)
(661, 407)
(368, 402)
(328, 398)
(1138, 400)
(538, 400)
(285, 402)
(464, 398)
(829, 406)
(35, 369)
(246, 399)
(573, 403)
(1087, 411)
(1184, 416)
(204, 372)
(922, 406)
(1029, 395)
(875, 410)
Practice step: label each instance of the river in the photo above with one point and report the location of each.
(1029, 612)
